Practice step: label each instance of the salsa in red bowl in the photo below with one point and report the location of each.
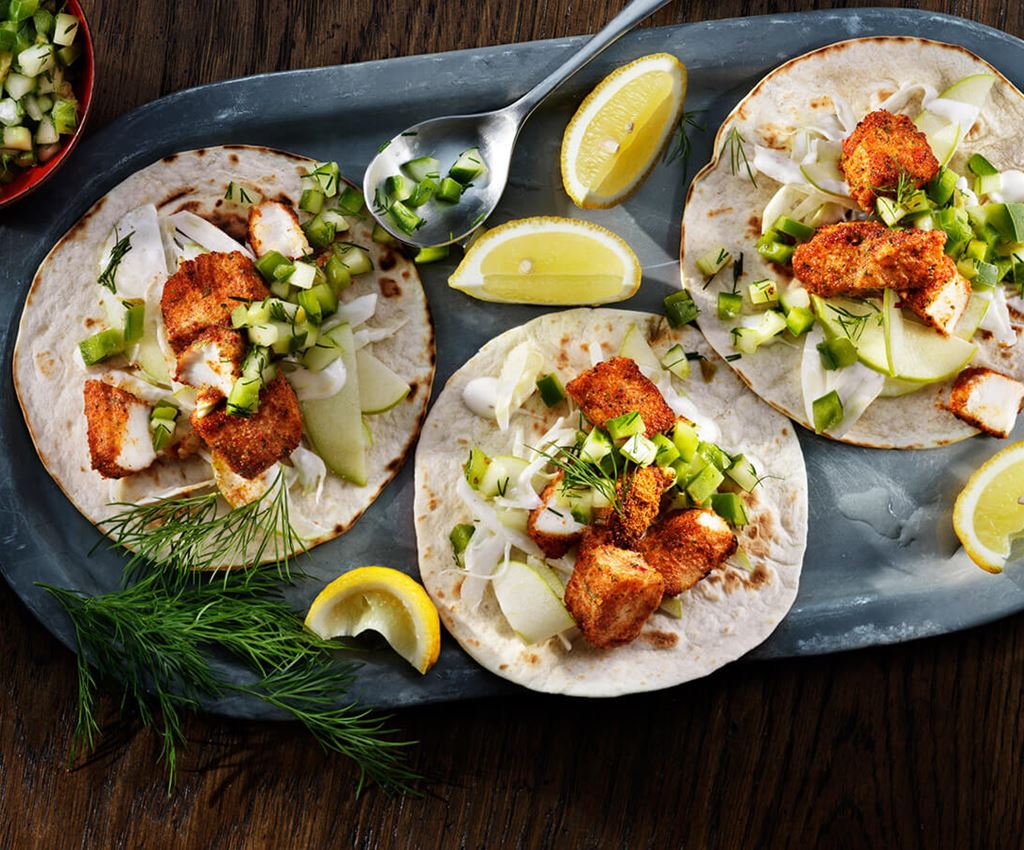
(46, 84)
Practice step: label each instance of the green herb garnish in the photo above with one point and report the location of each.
(180, 535)
(853, 323)
(683, 147)
(121, 247)
(734, 141)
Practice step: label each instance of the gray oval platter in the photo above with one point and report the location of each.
(882, 563)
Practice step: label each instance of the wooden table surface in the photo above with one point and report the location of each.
(900, 747)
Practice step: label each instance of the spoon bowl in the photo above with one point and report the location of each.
(494, 133)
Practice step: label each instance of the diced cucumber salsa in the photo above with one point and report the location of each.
(401, 196)
(40, 45)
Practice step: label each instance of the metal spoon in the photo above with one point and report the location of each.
(494, 133)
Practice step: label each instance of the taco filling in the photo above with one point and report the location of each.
(885, 251)
(620, 506)
(222, 326)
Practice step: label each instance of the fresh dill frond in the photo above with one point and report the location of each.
(853, 324)
(581, 474)
(155, 639)
(121, 247)
(177, 536)
(683, 146)
(734, 141)
(901, 190)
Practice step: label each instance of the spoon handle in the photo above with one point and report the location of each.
(618, 26)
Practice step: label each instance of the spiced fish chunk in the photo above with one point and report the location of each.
(120, 442)
(854, 256)
(940, 305)
(203, 293)
(616, 387)
(212, 360)
(641, 494)
(883, 151)
(275, 227)
(611, 593)
(552, 526)
(687, 545)
(250, 445)
(986, 399)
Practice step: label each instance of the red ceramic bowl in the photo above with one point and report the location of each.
(33, 177)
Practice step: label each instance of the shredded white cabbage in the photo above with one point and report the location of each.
(356, 312)
(200, 231)
(517, 382)
(368, 336)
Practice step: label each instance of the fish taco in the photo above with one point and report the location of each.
(222, 327)
(856, 245)
(602, 508)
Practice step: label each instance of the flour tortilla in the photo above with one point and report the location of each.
(724, 616)
(62, 307)
(723, 209)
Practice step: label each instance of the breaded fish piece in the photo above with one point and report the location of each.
(855, 256)
(941, 306)
(251, 444)
(202, 293)
(986, 399)
(883, 148)
(274, 226)
(120, 442)
(686, 545)
(553, 529)
(611, 593)
(212, 360)
(641, 494)
(615, 387)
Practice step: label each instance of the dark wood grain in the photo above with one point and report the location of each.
(917, 746)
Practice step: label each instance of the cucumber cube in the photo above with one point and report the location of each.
(640, 450)
(705, 483)
(625, 426)
(596, 446)
(686, 439)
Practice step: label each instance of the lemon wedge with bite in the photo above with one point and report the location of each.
(989, 512)
(382, 600)
(620, 129)
(548, 260)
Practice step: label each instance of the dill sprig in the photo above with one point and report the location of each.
(853, 324)
(903, 188)
(682, 148)
(155, 639)
(734, 141)
(580, 474)
(177, 536)
(121, 247)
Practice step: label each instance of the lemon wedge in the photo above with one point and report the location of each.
(616, 135)
(382, 600)
(989, 512)
(548, 260)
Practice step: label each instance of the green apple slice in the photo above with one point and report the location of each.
(973, 316)
(862, 321)
(824, 173)
(380, 388)
(335, 424)
(921, 354)
(894, 388)
(946, 131)
(635, 347)
(529, 601)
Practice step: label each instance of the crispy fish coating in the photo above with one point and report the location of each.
(882, 148)
(202, 293)
(274, 226)
(941, 306)
(120, 442)
(553, 529)
(686, 545)
(213, 359)
(611, 594)
(251, 444)
(641, 495)
(615, 387)
(854, 256)
(986, 399)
